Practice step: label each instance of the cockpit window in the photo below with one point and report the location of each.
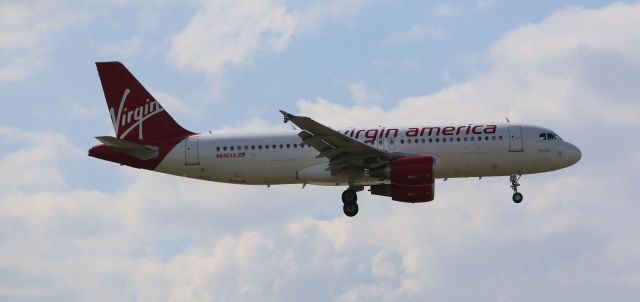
(549, 136)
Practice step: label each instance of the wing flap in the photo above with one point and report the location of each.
(342, 151)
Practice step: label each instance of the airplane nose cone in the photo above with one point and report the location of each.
(574, 154)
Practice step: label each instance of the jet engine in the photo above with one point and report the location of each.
(412, 179)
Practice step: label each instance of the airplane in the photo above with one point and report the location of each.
(397, 162)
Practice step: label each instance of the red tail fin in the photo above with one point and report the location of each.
(135, 114)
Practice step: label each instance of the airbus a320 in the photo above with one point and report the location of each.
(398, 162)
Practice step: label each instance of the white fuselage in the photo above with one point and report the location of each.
(280, 158)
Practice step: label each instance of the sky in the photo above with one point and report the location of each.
(73, 228)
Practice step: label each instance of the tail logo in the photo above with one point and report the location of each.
(127, 119)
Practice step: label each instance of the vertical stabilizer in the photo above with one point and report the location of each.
(135, 114)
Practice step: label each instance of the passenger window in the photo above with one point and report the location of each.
(500, 137)
(458, 139)
(246, 147)
(486, 138)
(391, 141)
(224, 148)
(493, 138)
(217, 148)
(281, 146)
(295, 146)
(451, 139)
(424, 140)
(259, 147)
(266, 147)
(402, 141)
(253, 147)
(437, 140)
(465, 139)
(473, 139)
(274, 146)
(431, 140)
(379, 141)
(408, 141)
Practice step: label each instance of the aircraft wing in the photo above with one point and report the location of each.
(342, 151)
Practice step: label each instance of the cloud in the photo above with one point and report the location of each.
(124, 48)
(223, 34)
(361, 94)
(26, 30)
(173, 104)
(43, 147)
(161, 237)
(563, 70)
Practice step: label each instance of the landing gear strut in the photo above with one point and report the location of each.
(350, 201)
(517, 196)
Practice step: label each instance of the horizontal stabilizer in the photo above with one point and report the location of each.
(136, 150)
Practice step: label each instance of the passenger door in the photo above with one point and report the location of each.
(191, 151)
(515, 139)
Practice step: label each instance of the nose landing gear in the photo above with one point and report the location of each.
(517, 196)
(350, 201)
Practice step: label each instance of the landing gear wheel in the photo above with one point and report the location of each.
(350, 201)
(349, 196)
(517, 197)
(350, 209)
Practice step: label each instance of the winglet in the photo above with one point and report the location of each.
(287, 116)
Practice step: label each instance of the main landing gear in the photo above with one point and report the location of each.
(517, 196)
(350, 201)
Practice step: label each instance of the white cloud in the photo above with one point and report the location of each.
(416, 33)
(124, 48)
(224, 34)
(173, 104)
(83, 112)
(566, 69)
(27, 168)
(26, 29)
(254, 125)
(361, 94)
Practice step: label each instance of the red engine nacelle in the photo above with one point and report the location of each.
(411, 178)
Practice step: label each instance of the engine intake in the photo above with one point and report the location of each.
(412, 179)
